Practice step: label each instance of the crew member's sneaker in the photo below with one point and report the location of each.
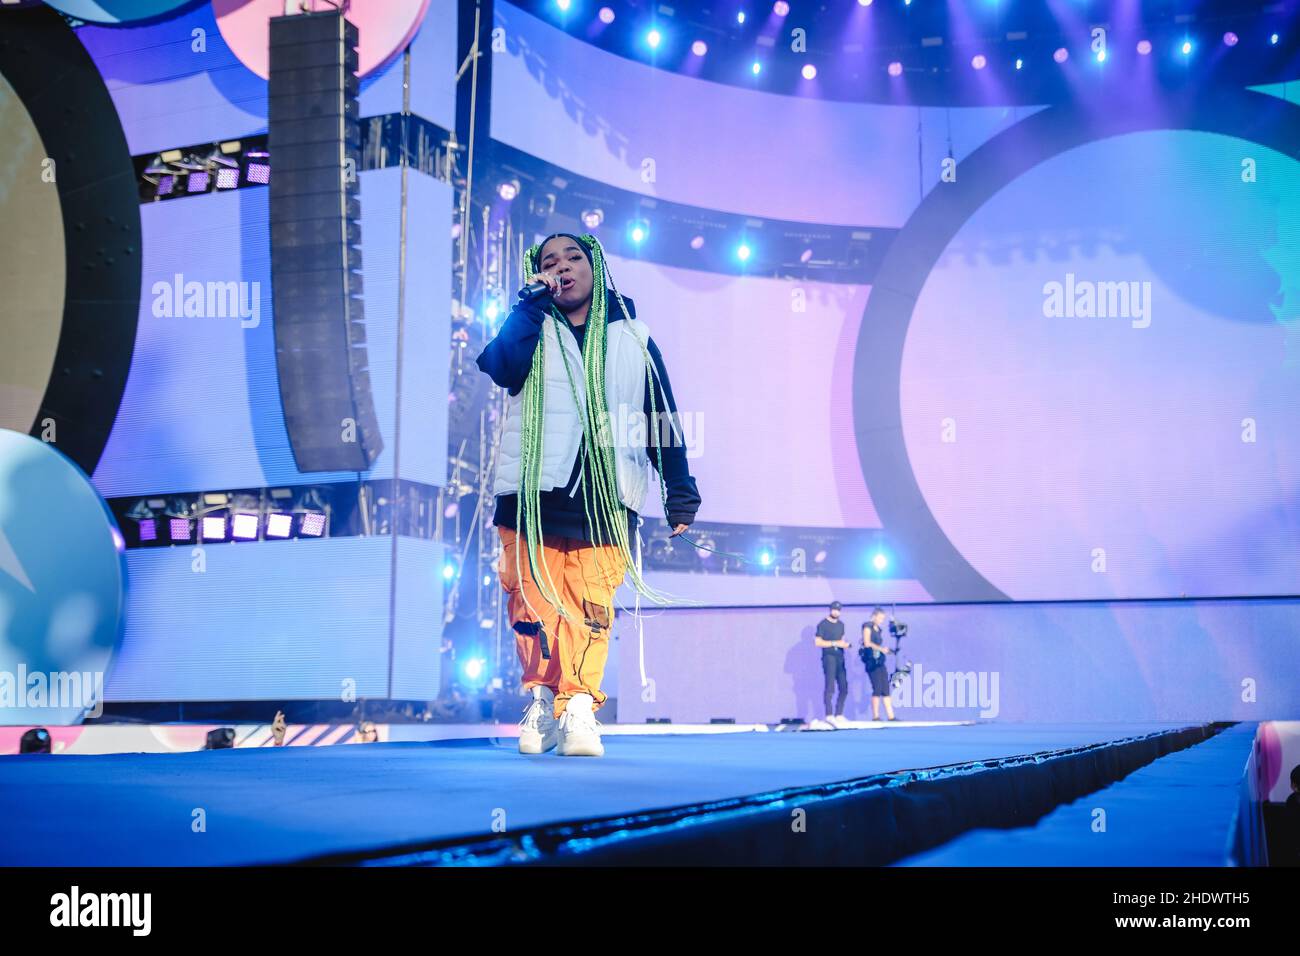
(538, 731)
(579, 732)
(840, 721)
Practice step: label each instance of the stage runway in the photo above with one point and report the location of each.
(385, 802)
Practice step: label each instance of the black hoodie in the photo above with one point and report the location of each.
(508, 359)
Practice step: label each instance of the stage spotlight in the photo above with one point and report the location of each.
(864, 3)
(1061, 55)
(179, 529)
(879, 561)
(508, 190)
(638, 232)
(1273, 39)
(895, 69)
(699, 48)
(740, 17)
(806, 255)
(197, 182)
(227, 178)
(742, 252)
(1019, 63)
(35, 741)
(214, 528)
(592, 218)
(491, 311)
(487, 579)
(979, 61)
(313, 524)
(606, 15)
(819, 557)
(259, 173)
(653, 38)
(279, 525)
(765, 558)
(756, 68)
(781, 8)
(244, 526)
(1186, 48)
(1144, 47)
(697, 242)
(563, 5)
(165, 185)
(809, 71)
(1230, 38)
(448, 570)
(148, 529)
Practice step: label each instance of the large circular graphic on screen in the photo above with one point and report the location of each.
(62, 586)
(383, 29)
(69, 240)
(117, 11)
(1019, 448)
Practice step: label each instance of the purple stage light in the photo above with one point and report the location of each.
(259, 173)
(1144, 47)
(1061, 55)
(179, 529)
(699, 48)
(279, 525)
(313, 524)
(165, 185)
(809, 71)
(780, 8)
(214, 528)
(895, 69)
(1230, 38)
(227, 178)
(148, 529)
(978, 61)
(197, 183)
(244, 527)
(606, 15)
(697, 242)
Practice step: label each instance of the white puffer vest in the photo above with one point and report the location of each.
(625, 380)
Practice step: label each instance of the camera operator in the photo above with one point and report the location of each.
(873, 653)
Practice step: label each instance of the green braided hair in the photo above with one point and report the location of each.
(606, 514)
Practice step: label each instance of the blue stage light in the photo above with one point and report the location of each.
(1019, 63)
(448, 570)
(474, 668)
(765, 558)
(563, 5)
(740, 17)
(1273, 39)
(742, 252)
(639, 231)
(653, 38)
(1186, 48)
(491, 311)
(879, 561)
(756, 68)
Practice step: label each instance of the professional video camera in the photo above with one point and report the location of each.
(902, 668)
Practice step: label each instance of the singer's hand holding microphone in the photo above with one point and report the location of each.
(543, 283)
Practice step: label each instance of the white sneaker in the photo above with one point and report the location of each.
(538, 732)
(838, 720)
(579, 731)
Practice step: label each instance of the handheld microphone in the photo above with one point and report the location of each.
(534, 290)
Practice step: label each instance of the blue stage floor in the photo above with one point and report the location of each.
(1177, 811)
(280, 805)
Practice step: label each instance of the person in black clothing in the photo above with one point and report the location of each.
(830, 638)
(873, 658)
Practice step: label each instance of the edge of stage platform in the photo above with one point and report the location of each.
(186, 738)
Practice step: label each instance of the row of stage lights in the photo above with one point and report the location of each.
(218, 516)
(654, 38)
(227, 166)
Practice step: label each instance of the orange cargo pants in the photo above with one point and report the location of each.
(586, 577)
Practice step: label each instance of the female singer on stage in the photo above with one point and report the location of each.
(568, 481)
